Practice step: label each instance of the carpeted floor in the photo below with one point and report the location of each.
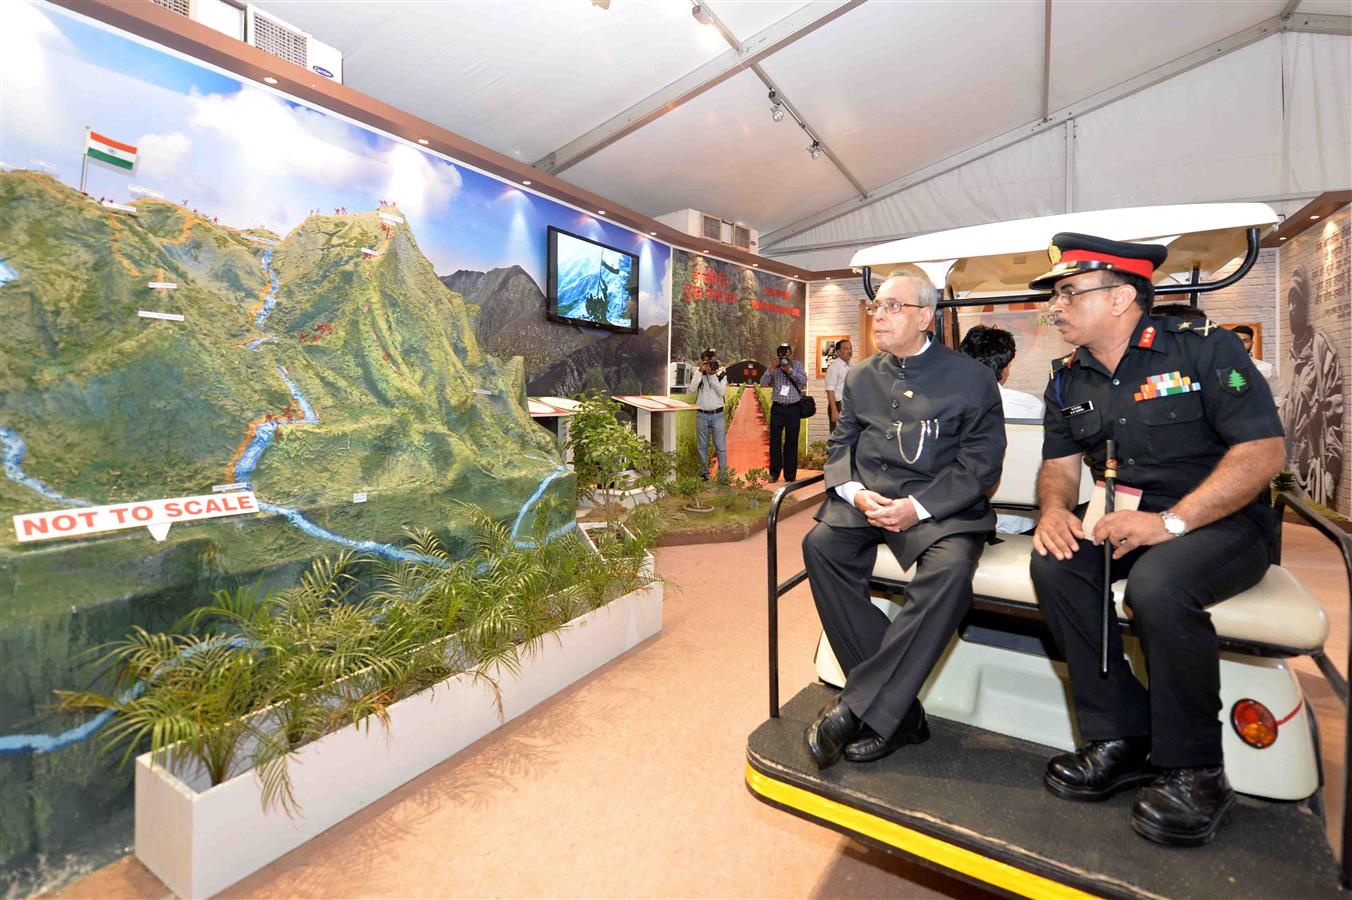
(630, 783)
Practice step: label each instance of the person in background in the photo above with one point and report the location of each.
(920, 442)
(1185, 311)
(787, 380)
(994, 348)
(1265, 368)
(835, 379)
(711, 388)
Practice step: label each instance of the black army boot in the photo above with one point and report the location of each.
(1101, 769)
(1183, 807)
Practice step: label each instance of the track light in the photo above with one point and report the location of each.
(699, 12)
(776, 108)
(815, 150)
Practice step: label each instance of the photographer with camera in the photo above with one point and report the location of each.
(713, 385)
(788, 380)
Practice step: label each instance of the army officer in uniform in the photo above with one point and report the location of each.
(919, 444)
(1196, 431)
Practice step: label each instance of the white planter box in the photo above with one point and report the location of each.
(199, 839)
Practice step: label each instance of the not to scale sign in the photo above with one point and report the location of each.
(155, 515)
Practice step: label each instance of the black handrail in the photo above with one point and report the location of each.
(1302, 506)
(1253, 237)
(777, 590)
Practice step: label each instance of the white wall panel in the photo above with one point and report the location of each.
(1316, 76)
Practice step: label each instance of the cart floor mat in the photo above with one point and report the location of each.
(980, 794)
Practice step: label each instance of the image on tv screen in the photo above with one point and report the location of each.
(592, 284)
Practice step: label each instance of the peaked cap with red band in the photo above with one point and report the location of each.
(1075, 254)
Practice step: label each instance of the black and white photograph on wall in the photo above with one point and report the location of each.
(1314, 421)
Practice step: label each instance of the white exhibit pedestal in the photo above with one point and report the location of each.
(645, 406)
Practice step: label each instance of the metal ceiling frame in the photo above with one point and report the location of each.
(1300, 23)
(743, 55)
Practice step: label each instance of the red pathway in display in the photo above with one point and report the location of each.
(749, 436)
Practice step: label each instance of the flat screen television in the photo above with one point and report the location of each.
(591, 284)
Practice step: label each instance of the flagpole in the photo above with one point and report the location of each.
(84, 160)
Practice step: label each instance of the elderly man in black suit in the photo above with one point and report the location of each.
(919, 445)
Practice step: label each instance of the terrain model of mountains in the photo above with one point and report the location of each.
(115, 407)
(507, 308)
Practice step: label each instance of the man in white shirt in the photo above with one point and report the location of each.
(995, 348)
(835, 379)
(1265, 368)
(712, 387)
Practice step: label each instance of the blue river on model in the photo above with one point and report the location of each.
(13, 450)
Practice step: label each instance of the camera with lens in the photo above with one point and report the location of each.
(783, 360)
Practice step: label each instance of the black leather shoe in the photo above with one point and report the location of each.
(1101, 769)
(870, 745)
(827, 736)
(1183, 807)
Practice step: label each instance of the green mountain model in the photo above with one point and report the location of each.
(113, 406)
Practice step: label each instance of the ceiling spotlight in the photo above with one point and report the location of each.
(654, 233)
(1314, 218)
(526, 182)
(815, 150)
(1281, 238)
(423, 141)
(776, 108)
(600, 212)
(699, 12)
(269, 79)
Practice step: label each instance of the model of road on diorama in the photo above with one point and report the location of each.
(962, 714)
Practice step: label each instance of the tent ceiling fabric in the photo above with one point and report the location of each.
(891, 87)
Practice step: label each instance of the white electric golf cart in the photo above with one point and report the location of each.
(971, 800)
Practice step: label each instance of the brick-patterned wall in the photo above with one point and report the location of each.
(1253, 299)
(1324, 251)
(832, 308)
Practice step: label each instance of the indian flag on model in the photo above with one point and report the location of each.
(105, 150)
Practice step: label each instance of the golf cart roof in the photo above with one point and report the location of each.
(1004, 257)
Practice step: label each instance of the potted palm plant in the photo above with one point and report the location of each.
(294, 710)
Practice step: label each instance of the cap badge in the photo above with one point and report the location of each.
(1054, 253)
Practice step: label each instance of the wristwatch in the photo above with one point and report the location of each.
(1173, 524)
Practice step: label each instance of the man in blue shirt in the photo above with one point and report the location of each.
(787, 380)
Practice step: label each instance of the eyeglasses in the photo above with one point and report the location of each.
(1066, 295)
(891, 307)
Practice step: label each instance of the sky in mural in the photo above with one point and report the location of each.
(250, 157)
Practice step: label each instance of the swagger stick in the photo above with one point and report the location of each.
(1109, 492)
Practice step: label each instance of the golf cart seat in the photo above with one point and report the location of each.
(1277, 617)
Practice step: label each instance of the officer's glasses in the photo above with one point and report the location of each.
(1066, 295)
(891, 307)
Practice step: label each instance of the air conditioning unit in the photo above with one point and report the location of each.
(272, 35)
(227, 18)
(266, 32)
(703, 225)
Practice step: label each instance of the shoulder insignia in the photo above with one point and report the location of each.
(1147, 337)
(1204, 327)
(1061, 363)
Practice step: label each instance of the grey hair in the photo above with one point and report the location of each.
(926, 292)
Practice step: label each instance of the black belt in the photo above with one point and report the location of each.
(711, 411)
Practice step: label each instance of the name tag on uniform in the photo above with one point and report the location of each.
(1078, 409)
(783, 390)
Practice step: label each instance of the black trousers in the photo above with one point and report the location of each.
(785, 420)
(1169, 587)
(886, 663)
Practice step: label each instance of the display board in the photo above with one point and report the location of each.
(739, 311)
(240, 333)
